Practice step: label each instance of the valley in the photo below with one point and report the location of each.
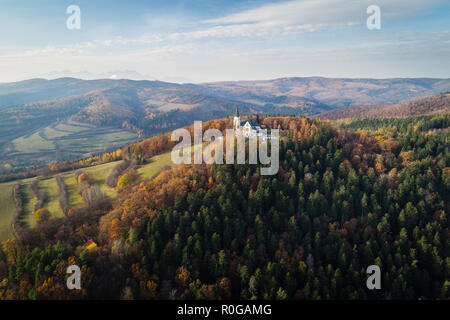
(61, 141)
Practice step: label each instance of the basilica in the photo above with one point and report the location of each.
(247, 128)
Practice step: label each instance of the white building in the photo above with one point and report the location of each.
(248, 128)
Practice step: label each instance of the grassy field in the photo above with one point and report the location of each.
(97, 176)
(63, 141)
(155, 165)
(7, 210)
(51, 202)
(8, 207)
(158, 163)
(73, 198)
(33, 144)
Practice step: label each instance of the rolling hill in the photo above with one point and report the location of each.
(332, 92)
(439, 104)
(17, 93)
(130, 110)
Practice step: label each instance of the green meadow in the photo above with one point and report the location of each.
(63, 141)
(97, 176)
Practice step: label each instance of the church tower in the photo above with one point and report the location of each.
(236, 120)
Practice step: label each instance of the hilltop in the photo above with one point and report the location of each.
(439, 104)
(333, 92)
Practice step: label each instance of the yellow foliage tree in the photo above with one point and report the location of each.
(41, 214)
(11, 250)
(124, 181)
(115, 229)
(182, 276)
(84, 177)
(152, 286)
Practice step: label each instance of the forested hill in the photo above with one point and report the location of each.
(341, 201)
(43, 121)
(334, 92)
(439, 104)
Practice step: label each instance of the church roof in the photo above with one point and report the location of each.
(236, 113)
(252, 122)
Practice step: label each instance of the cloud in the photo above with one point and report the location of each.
(291, 17)
(198, 51)
(311, 15)
(279, 19)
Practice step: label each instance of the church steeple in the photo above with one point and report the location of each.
(236, 120)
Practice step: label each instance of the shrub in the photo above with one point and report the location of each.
(117, 171)
(42, 214)
(62, 195)
(92, 195)
(83, 178)
(40, 195)
(125, 180)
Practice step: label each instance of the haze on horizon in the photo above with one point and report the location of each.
(203, 40)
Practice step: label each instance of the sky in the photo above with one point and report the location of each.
(224, 40)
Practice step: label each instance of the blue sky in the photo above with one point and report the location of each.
(213, 40)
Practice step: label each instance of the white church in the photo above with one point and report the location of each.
(247, 128)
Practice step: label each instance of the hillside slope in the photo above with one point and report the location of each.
(333, 92)
(17, 93)
(98, 175)
(439, 104)
(341, 201)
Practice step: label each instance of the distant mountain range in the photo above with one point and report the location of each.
(334, 93)
(18, 93)
(115, 75)
(150, 107)
(439, 104)
(136, 99)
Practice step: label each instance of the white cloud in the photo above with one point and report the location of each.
(284, 18)
(301, 15)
